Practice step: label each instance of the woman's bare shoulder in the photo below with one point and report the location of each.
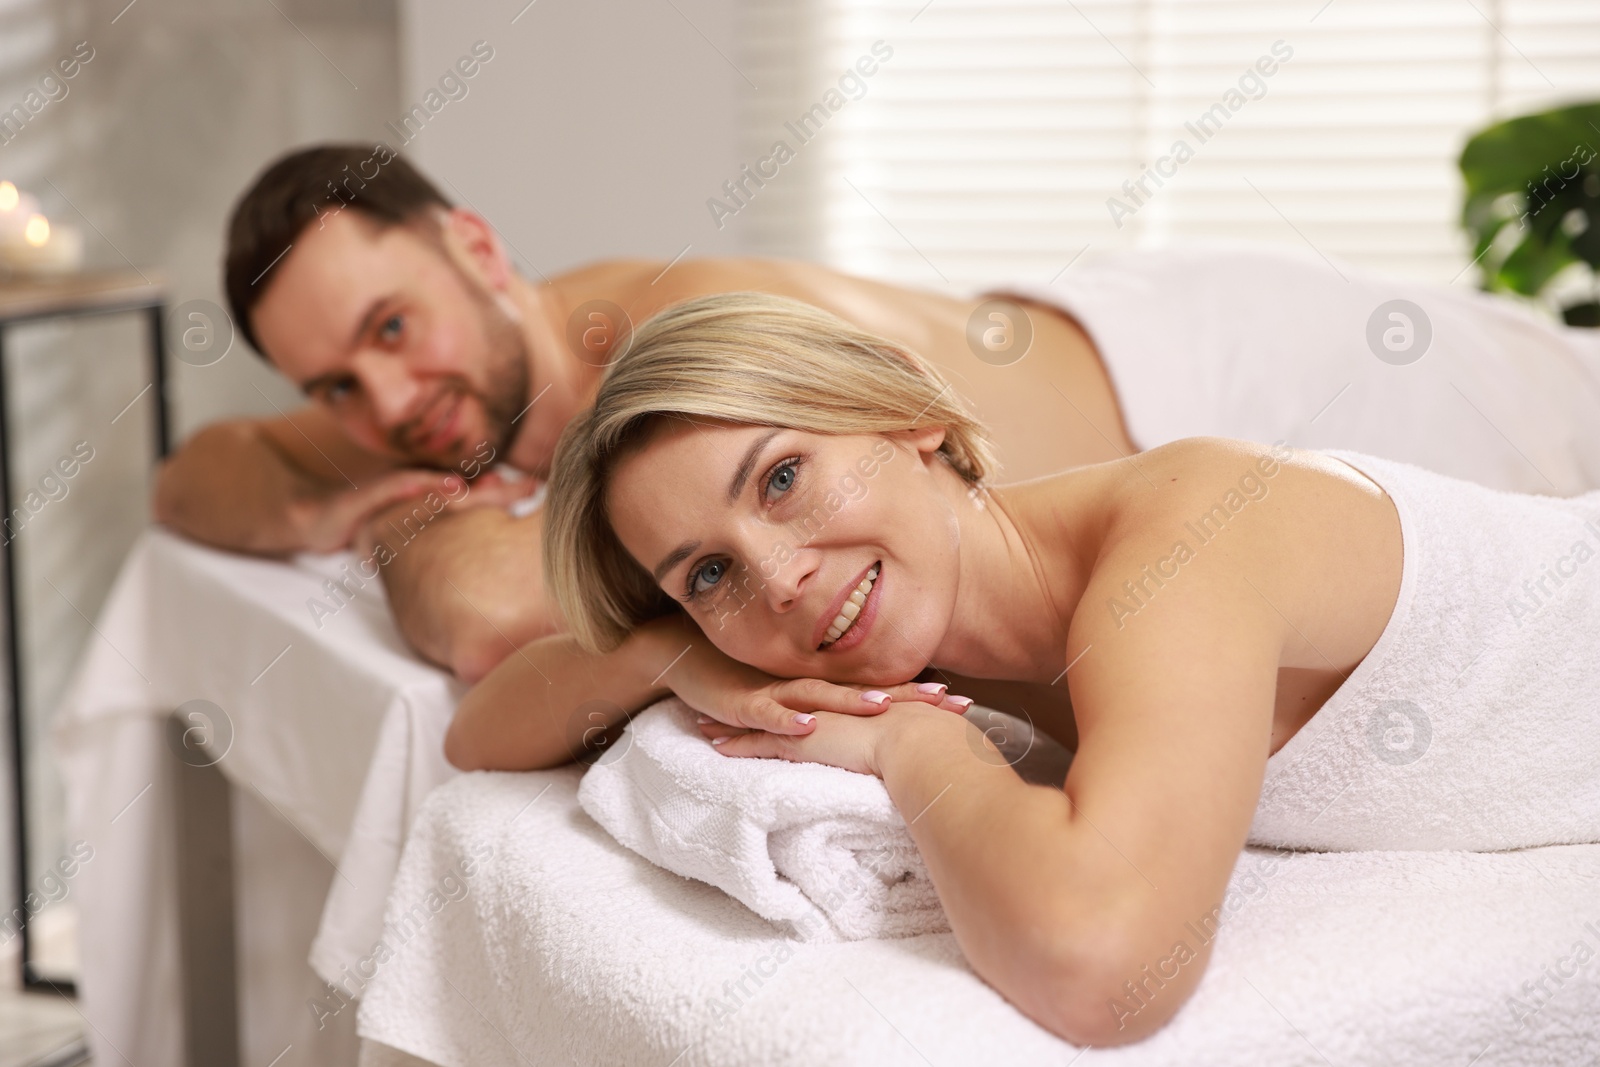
(1205, 520)
(1162, 492)
(1218, 479)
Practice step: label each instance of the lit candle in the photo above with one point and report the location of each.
(16, 207)
(28, 242)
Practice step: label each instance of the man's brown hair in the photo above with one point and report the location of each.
(296, 191)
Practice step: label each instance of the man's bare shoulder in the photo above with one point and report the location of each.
(797, 278)
(603, 274)
(685, 278)
(661, 282)
(914, 317)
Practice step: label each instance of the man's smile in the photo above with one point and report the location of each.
(438, 425)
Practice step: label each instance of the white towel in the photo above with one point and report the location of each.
(1471, 722)
(1271, 342)
(815, 848)
(549, 943)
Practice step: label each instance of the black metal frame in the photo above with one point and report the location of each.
(154, 307)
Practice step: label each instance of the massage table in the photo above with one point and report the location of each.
(535, 938)
(291, 828)
(562, 946)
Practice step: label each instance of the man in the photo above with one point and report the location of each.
(427, 358)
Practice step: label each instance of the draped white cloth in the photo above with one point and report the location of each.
(336, 730)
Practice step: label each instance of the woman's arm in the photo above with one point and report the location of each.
(1092, 908)
(550, 701)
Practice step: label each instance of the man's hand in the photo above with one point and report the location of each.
(277, 486)
(357, 518)
(434, 493)
(331, 520)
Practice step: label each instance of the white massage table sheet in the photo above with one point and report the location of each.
(336, 728)
(561, 946)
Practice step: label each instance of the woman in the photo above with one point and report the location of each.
(1375, 642)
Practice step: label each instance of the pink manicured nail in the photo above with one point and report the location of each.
(702, 719)
(718, 740)
(932, 688)
(803, 719)
(875, 696)
(965, 702)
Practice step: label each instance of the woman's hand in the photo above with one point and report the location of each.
(851, 742)
(736, 695)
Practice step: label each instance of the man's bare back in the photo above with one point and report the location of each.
(1050, 409)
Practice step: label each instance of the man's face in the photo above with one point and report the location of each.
(412, 355)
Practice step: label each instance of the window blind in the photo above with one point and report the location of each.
(1002, 140)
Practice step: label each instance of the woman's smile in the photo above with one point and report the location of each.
(849, 618)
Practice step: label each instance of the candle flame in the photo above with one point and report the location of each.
(37, 231)
(8, 196)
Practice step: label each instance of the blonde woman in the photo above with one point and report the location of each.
(768, 512)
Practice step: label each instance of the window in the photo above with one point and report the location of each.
(995, 142)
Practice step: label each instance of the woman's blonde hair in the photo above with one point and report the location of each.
(746, 358)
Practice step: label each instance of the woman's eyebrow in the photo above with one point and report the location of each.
(672, 559)
(748, 464)
(741, 475)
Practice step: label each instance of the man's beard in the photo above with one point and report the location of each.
(503, 402)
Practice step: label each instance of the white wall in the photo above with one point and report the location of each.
(182, 103)
(598, 129)
(185, 101)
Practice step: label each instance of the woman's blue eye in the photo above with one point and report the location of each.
(391, 327)
(711, 572)
(784, 476)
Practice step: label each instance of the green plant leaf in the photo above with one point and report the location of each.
(1533, 262)
(1542, 162)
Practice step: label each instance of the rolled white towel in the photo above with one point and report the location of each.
(817, 849)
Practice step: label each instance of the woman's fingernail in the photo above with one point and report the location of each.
(965, 702)
(932, 688)
(803, 719)
(875, 696)
(702, 719)
(718, 740)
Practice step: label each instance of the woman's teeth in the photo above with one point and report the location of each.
(852, 607)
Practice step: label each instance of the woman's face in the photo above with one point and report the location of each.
(764, 534)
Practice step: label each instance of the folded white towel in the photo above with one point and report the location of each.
(818, 849)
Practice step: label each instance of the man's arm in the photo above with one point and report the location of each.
(277, 486)
(465, 583)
